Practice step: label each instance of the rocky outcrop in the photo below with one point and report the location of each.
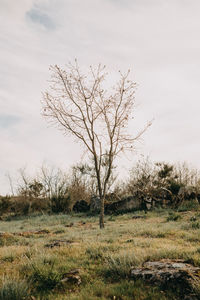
(128, 204)
(95, 204)
(81, 206)
(170, 274)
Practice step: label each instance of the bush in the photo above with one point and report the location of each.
(61, 204)
(189, 205)
(15, 206)
(46, 278)
(14, 289)
(44, 274)
(4, 204)
(195, 225)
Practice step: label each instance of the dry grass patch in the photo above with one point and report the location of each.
(104, 257)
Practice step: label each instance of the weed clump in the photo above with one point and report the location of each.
(94, 253)
(119, 266)
(45, 277)
(13, 289)
(43, 273)
(195, 225)
(8, 240)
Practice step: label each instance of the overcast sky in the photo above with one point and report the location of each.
(159, 40)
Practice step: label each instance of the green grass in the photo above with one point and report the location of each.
(103, 257)
(14, 289)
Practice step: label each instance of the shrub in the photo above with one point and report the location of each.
(4, 204)
(60, 204)
(195, 225)
(46, 278)
(189, 205)
(21, 205)
(14, 289)
(44, 274)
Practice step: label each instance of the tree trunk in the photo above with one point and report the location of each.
(101, 217)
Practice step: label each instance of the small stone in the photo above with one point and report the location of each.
(72, 277)
(70, 225)
(139, 217)
(58, 243)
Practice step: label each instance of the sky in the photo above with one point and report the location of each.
(158, 40)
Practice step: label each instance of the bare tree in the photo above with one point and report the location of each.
(23, 186)
(54, 181)
(81, 106)
(10, 183)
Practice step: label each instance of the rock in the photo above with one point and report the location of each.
(70, 225)
(128, 204)
(72, 277)
(42, 231)
(95, 204)
(58, 243)
(193, 219)
(173, 274)
(81, 206)
(82, 223)
(129, 241)
(139, 217)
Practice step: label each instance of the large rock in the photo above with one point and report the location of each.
(128, 204)
(81, 206)
(167, 274)
(95, 204)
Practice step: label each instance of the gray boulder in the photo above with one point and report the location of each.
(95, 204)
(170, 274)
(130, 203)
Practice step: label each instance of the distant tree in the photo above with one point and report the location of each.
(81, 106)
(29, 187)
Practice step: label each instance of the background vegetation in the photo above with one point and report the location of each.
(52, 190)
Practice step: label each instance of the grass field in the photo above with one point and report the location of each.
(31, 269)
